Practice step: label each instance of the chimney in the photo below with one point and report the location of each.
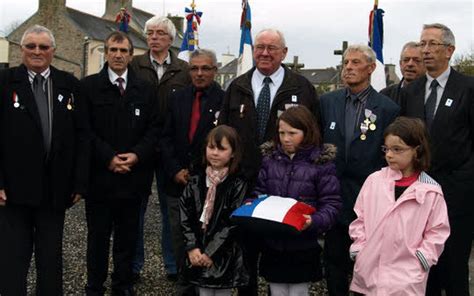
(48, 5)
(112, 7)
(178, 22)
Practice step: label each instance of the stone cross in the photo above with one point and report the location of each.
(295, 66)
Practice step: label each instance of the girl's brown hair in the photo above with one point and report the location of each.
(215, 137)
(301, 118)
(414, 133)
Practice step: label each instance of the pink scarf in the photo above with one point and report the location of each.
(215, 178)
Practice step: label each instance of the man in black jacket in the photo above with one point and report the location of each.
(252, 105)
(412, 68)
(193, 112)
(444, 99)
(123, 111)
(44, 158)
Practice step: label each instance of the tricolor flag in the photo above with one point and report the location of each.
(273, 214)
(190, 38)
(378, 79)
(245, 60)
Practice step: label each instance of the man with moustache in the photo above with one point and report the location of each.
(412, 68)
(123, 111)
(192, 114)
(354, 119)
(444, 99)
(44, 159)
(162, 68)
(252, 104)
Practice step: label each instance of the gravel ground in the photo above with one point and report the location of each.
(153, 280)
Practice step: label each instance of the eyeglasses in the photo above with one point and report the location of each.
(430, 44)
(32, 46)
(270, 48)
(157, 32)
(395, 149)
(205, 69)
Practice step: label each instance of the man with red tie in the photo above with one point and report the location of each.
(193, 112)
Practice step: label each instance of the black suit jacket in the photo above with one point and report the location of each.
(120, 125)
(177, 152)
(365, 157)
(452, 137)
(26, 175)
(393, 91)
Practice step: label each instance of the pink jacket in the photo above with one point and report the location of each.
(396, 242)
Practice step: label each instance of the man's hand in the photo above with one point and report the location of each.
(308, 222)
(76, 197)
(195, 256)
(3, 197)
(182, 177)
(129, 159)
(206, 261)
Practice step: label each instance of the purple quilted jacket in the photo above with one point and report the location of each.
(310, 177)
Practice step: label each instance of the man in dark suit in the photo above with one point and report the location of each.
(412, 68)
(353, 119)
(193, 112)
(44, 157)
(444, 98)
(123, 111)
(252, 104)
(162, 68)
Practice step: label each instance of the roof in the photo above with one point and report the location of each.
(140, 17)
(98, 28)
(229, 68)
(318, 76)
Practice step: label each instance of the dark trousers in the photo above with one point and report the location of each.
(22, 230)
(337, 262)
(120, 217)
(252, 245)
(452, 271)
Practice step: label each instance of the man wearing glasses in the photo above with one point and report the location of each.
(44, 163)
(193, 112)
(444, 99)
(412, 68)
(254, 101)
(162, 68)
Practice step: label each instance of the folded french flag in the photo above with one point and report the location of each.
(273, 214)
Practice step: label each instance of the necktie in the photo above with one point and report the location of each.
(120, 82)
(430, 105)
(42, 104)
(195, 115)
(351, 120)
(263, 109)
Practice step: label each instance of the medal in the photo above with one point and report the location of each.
(363, 129)
(242, 108)
(16, 104)
(372, 125)
(69, 107)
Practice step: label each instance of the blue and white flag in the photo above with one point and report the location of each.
(190, 38)
(245, 60)
(378, 79)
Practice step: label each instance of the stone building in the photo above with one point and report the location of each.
(79, 36)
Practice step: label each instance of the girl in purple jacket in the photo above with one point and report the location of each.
(298, 166)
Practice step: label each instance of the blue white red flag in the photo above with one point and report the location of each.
(245, 60)
(378, 79)
(191, 37)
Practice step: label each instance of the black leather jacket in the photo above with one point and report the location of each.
(221, 239)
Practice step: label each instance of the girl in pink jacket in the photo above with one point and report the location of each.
(402, 221)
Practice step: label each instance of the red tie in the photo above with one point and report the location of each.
(195, 115)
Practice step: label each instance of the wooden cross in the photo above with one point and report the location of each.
(295, 66)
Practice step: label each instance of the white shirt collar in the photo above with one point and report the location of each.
(113, 77)
(442, 79)
(276, 77)
(167, 61)
(45, 74)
